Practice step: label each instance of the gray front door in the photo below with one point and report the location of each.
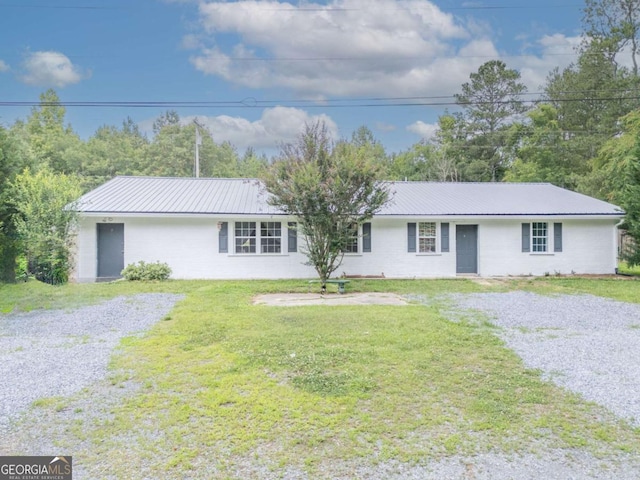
(466, 249)
(110, 250)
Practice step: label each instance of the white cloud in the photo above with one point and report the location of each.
(359, 48)
(345, 48)
(51, 69)
(559, 43)
(3, 66)
(424, 130)
(191, 42)
(385, 127)
(555, 51)
(276, 126)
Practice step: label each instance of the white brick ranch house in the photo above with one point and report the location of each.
(219, 228)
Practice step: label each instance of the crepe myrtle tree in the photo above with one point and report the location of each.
(330, 188)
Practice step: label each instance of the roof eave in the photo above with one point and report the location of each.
(598, 215)
(388, 215)
(177, 214)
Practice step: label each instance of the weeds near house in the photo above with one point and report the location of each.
(625, 269)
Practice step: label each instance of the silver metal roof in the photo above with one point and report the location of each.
(163, 195)
(176, 196)
(461, 199)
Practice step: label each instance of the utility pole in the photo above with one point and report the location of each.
(198, 143)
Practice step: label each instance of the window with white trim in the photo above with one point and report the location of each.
(539, 237)
(270, 237)
(248, 237)
(352, 244)
(245, 235)
(427, 237)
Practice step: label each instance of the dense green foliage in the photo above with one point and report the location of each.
(44, 222)
(9, 248)
(619, 162)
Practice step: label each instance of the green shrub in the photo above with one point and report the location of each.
(22, 269)
(147, 271)
(53, 267)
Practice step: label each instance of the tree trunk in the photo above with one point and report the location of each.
(8, 256)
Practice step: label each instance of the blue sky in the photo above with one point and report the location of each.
(256, 71)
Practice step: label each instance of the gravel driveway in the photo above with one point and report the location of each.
(47, 353)
(586, 344)
(589, 345)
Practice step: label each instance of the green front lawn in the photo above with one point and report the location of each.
(226, 383)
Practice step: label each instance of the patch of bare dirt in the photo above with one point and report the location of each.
(332, 299)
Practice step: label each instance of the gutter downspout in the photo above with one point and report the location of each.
(616, 246)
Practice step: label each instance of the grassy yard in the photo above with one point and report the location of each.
(627, 270)
(231, 386)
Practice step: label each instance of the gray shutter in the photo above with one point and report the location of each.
(292, 236)
(557, 237)
(411, 232)
(366, 237)
(223, 238)
(444, 237)
(526, 237)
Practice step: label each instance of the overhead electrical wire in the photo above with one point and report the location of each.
(377, 59)
(303, 9)
(376, 102)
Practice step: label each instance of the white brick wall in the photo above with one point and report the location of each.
(588, 246)
(190, 246)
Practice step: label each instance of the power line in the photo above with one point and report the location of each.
(511, 7)
(304, 9)
(63, 7)
(374, 102)
(360, 59)
(379, 58)
(417, 7)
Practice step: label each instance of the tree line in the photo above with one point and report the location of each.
(583, 134)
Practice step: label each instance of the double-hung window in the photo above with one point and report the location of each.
(248, 236)
(427, 237)
(270, 237)
(539, 237)
(352, 244)
(542, 237)
(245, 234)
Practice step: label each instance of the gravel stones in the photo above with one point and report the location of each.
(584, 343)
(49, 353)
